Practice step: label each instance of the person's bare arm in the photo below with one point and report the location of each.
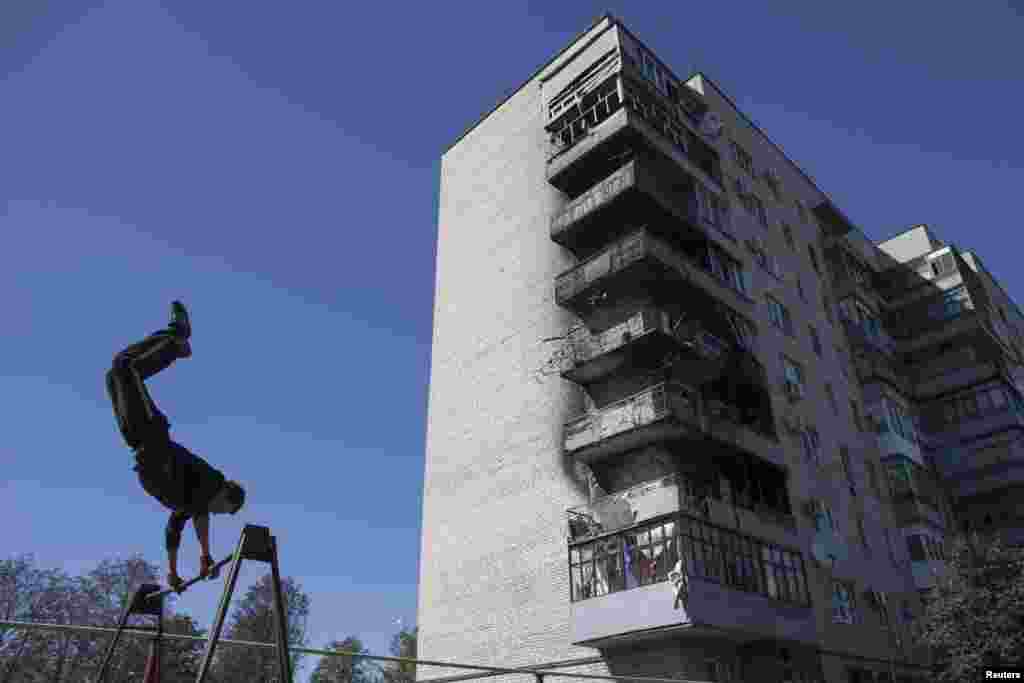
(172, 560)
(202, 525)
(175, 524)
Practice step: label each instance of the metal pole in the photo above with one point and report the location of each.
(222, 610)
(281, 618)
(491, 670)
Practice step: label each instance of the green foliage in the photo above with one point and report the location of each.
(253, 619)
(974, 616)
(403, 644)
(28, 593)
(346, 669)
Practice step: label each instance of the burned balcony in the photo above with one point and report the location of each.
(643, 341)
(618, 119)
(677, 206)
(664, 412)
(621, 510)
(641, 264)
(680, 576)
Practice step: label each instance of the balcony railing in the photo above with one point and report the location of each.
(665, 410)
(656, 262)
(638, 193)
(624, 509)
(645, 555)
(582, 349)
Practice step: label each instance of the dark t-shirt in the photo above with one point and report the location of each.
(181, 481)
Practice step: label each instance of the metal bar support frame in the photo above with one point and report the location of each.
(146, 600)
(255, 543)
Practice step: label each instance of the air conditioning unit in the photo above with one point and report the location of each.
(772, 175)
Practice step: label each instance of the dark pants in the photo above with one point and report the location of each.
(140, 421)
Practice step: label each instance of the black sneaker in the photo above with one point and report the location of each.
(179, 320)
(182, 328)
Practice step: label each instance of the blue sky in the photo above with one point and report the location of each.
(276, 167)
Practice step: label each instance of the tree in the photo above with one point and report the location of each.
(974, 616)
(253, 619)
(403, 644)
(28, 593)
(345, 669)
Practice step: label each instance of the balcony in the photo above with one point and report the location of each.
(891, 443)
(624, 590)
(909, 507)
(967, 430)
(862, 337)
(642, 341)
(666, 411)
(582, 154)
(641, 264)
(624, 509)
(971, 327)
(677, 207)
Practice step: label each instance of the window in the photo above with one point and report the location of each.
(844, 456)
(814, 258)
(873, 477)
(892, 550)
(758, 210)
(800, 290)
(787, 232)
(646, 554)
(811, 442)
(779, 316)
(863, 536)
(827, 305)
(801, 210)
(896, 418)
(726, 269)
(815, 340)
(855, 412)
(742, 157)
(842, 603)
(944, 264)
(793, 377)
(950, 304)
(831, 394)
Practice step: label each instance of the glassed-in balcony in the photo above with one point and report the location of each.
(642, 341)
(665, 411)
(643, 264)
(619, 118)
(676, 206)
(680, 576)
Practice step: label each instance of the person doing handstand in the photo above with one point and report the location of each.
(180, 480)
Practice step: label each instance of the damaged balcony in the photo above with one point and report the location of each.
(666, 411)
(972, 327)
(679, 576)
(643, 341)
(671, 412)
(641, 264)
(616, 119)
(677, 206)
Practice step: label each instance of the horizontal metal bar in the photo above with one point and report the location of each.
(185, 586)
(342, 653)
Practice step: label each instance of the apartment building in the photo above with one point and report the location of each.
(685, 419)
